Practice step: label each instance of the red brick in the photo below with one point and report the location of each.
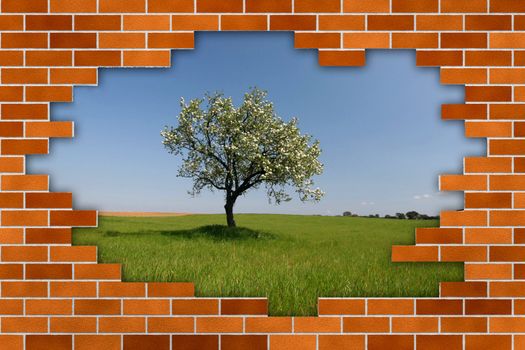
(119, 6)
(414, 253)
(506, 147)
(317, 6)
(195, 22)
(426, 235)
(488, 235)
(24, 289)
(146, 22)
(464, 40)
(488, 200)
(463, 183)
(97, 22)
(49, 129)
(269, 6)
(45, 342)
(98, 58)
(507, 289)
(24, 325)
(366, 6)
(414, 40)
(49, 93)
(439, 58)
(147, 307)
(171, 289)
(11, 200)
(463, 289)
(401, 342)
(11, 93)
(219, 6)
(506, 6)
(519, 22)
(160, 342)
(507, 40)
(507, 325)
(341, 22)
(11, 342)
(464, 324)
(98, 271)
(122, 325)
(98, 307)
(507, 111)
(328, 342)
(199, 306)
(488, 342)
(11, 58)
(463, 253)
(243, 22)
(11, 271)
(288, 22)
(25, 182)
(191, 342)
(463, 76)
(488, 129)
(463, 111)
(415, 324)
(24, 218)
(171, 40)
(317, 40)
(22, 147)
(49, 58)
(390, 22)
(284, 342)
(11, 164)
(390, 306)
(73, 218)
(317, 324)
(366, 40)
(49, 271)
(488, 58)
(341, 58)
(366, 325)
(268, 325)
(24, 76)
(122, 289)
(73, 324)
(507, 182)
(506, 253)
(73, 254)
(219, 325)
(170, 325)
(74, 6)
(22, 6)
(49, 306)
(488, 307)
(464, 218)
(170, 6)
(147, 58)
(73, 289)
(49, 200)
(239, 306)
(89, 342)
(519, 58)
(519, 271)
(439, 307)
(488, 22)
(49, 22)
(415, 5)
(439, 22)
(463, 6)
(11, 307)
(122, 40)
(11, 22)
(73, 76)
(73, 40)
(488, 271)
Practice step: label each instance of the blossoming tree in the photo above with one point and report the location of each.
(237, 149)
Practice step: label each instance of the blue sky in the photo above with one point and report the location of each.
(383, 142)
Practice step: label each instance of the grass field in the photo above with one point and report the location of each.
(290, 259)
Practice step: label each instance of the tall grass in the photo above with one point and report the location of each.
(290, 259)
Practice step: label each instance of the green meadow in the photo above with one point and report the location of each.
(291, 259)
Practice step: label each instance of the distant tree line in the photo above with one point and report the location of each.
(411, 215)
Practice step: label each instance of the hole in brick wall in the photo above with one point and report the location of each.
(383, 142)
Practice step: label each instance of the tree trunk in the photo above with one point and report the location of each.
(229, 212)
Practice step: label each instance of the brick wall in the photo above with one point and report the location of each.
(55, 296)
